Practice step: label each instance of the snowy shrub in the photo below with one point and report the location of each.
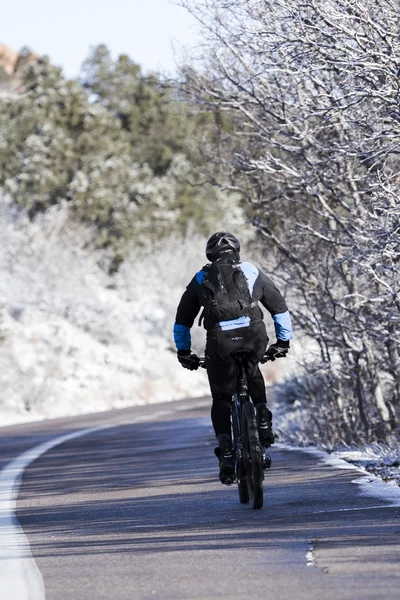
(2, 331)
(79, 340)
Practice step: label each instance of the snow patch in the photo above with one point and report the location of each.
(373, 487)
(78, 340)
(369, 485)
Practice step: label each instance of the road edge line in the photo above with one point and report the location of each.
(19, 570)
(20, 577)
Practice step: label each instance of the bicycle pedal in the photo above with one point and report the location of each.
(227, 475)
(266, 461)
(229, 482)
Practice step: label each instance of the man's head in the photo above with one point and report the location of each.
(222, 244)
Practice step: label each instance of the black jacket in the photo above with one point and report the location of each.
(261, 289)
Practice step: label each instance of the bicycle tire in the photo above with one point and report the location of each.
(240, 470)
(252, 455)
(243, 489)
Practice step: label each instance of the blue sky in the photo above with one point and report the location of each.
(144, 29)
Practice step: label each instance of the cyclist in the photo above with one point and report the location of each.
(244, 331)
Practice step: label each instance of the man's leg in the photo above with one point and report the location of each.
(222, 377)
(220, 415)
(256, 385)
(264, 421)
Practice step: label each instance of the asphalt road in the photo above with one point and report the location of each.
(136, 511)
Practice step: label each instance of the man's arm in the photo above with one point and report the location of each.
(274, 302)
(188, 309)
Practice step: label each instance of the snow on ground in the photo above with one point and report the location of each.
(77, 340)
(291, 424)
(377, 459)
(369, 484)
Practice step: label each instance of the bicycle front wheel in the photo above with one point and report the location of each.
(252, 455)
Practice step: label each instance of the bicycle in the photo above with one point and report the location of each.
(251, 458)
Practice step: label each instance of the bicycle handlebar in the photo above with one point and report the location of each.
(202, 362)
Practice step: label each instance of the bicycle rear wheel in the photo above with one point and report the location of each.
(240, 470)
(243, 489)
(252, 455)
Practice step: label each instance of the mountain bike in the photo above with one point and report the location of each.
(250, 457)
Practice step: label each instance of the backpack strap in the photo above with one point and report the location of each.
(201, 318)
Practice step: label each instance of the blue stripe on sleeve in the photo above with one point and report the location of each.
(182, 337)
(283, 326)
(200, 276)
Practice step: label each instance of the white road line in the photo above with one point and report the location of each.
(310, 558)
(20, 578)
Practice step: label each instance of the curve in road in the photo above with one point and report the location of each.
(133, 509)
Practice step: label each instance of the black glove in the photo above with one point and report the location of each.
(277, 350)
(188, 360)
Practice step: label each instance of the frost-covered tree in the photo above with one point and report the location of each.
(57, 147)
(166, 133)
(118, 147)
(312, 94)
(147, 106)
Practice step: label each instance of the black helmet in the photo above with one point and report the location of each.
(220, 243)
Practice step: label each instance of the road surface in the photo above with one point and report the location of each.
(136, 511)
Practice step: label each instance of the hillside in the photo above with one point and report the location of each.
(76, 339)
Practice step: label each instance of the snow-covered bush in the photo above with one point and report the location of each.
(2, 333)
(79, 340)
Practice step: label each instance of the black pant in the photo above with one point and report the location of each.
(221, 368)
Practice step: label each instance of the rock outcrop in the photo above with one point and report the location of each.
(12, 61)
(8, 59)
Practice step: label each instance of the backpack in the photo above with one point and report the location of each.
(225, 294)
